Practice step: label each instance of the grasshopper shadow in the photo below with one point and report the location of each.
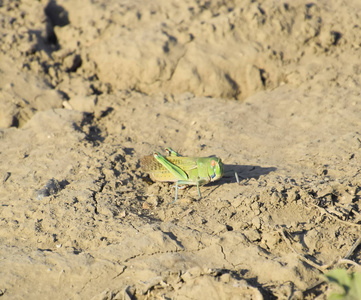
(246, 171)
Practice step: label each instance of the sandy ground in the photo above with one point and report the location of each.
(89, 87)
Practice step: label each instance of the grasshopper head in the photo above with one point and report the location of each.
(215, 170)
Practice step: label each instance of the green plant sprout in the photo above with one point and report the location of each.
(348, 285)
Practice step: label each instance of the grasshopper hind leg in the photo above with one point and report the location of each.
(171, 152)
(177, 187)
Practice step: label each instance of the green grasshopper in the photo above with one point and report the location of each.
(182, 170)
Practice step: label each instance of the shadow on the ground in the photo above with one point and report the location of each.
(245, 171)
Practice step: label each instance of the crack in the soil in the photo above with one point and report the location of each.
(120, 273)
(225, 256)
(176, 65)
(163, 252)
(136, 229)
(88, 282)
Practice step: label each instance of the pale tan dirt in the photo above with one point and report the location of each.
(89, 87)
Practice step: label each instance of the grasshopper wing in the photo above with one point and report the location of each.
(158, 172)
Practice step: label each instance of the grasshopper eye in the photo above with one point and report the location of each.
(213, 165)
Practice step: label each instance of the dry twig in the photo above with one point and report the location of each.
(324, 211)
(283, 232)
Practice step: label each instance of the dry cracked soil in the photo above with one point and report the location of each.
(87, 88)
